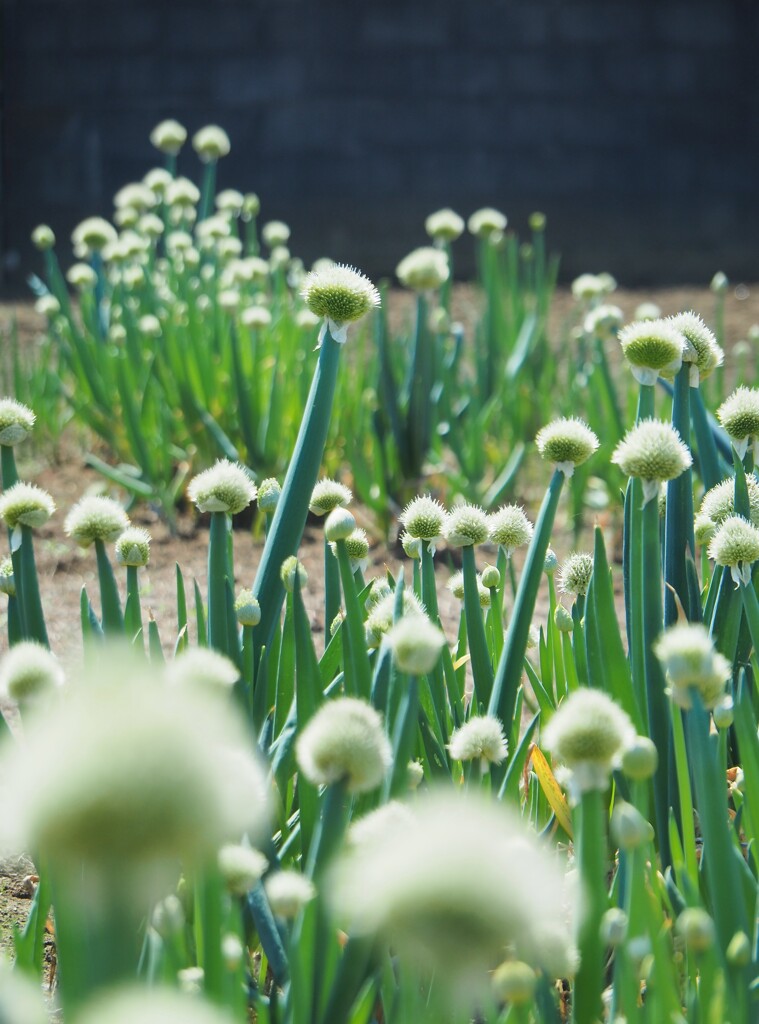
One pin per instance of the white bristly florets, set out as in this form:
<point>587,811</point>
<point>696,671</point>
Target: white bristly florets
<point>736,545</point>
<point>575,573</point>
<point>739,415</point>
<point>29,673</point>
<point>510,528</point>
<point>480,739</point>
<point>703,351</point>
<point>690,661</point>
<point>466,524</point>
<point>92,235</point>
<point>588,734</point>
<point>241,867</point>
<point>247,608</point>
<point>654,452</point>
<point>16,421</point>
<point>424,519</point>
<point>133,547</point>
<point>328,495</point>
<point>344,742</point>
<point>225,487</point>
<point>718,504</point>
<point>95,518</point>
<point>486,222</point>
<point>202,667</point>
<point>25,505</point>
<point>380,617</point>
<point>566,443</point>
<point>339,295</point>
<point>169,136</point>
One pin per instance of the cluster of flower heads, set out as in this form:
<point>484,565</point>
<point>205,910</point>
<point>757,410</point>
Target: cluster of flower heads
<point>426,521</point>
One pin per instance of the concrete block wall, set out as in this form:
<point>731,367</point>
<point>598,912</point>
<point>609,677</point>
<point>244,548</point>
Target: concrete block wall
<point>634,124</point>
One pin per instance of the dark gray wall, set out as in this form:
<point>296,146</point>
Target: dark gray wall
<point>632,124</point>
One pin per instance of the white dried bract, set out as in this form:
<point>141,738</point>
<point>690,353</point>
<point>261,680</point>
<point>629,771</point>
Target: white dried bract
<point>444,225</point>
<point>225,487</point>
<point>241,867</point>
<point>288,892</point>
<point>486,222</point>
<point>407,888</point>
<point>480,739</point>
<point>133,547</point>
<point>29,673</point>
<point>736,545</point>
<point>25,505</point>
<point>339,295</point>
<point>566,442</point>
<point>703,351</point>
<point>690,661</point>
<point>415,643</point>
<point>169,136</point>
<point>151,1005</point>
<point>652,348</point>
<point>640,759</point>
<point>128,773</point>
<point>202,667</point>
<point>345,743</point>
<point>424,519</point>
<point>466,524</point>
<point>654,452</point>
<point>588,735</point>
<point>211,143</point>
<point>739,415</point>
<point>424,269</point>
<point>328,495</point>
<point>575,573</point>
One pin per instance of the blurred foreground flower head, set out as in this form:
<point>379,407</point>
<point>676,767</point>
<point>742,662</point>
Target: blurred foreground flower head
<point>21,1000</point>
<point>151,1006</point>
<point>690,661</point>
<point>436,888</point>
<point>130,773</point>
<point>344,742</point>
<point>423,269</point>
<point>340,295</point>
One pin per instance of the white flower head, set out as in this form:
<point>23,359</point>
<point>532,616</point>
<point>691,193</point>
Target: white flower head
<point>169,136</point>
<point>690,661</point>
<point>566,442</point>
<point>486,222</point>
<point>225,487</point>
<point>703,351</point>
<point>288,892</point>
<point>241,867</point>
<point>736,545</point>
<point>202,667</point>
<point>25,505</point>
<point>211,143</point>
<point>510,528</point>
<point>424,269</point>
<point>654,452</point>
<point>653,348</point>
<point>575,573</point>
<point>339,295</point>
<point>380,617</point>
<point>95,518</point>
<point>154,1005</point>
<point>344,742</point>
<point>466,524</point>
<point>424,519</point>
<point>416,644</point>
<point>444,225</point>
<point>481,738</point>
<point>739,415</point>
<point>29,673</point>
<point>328,495</point>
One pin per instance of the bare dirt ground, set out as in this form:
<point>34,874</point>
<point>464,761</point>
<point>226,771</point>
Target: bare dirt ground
<point>64,569</point>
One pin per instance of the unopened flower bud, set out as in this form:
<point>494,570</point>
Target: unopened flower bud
<point>640,759</point>
<point>247,608</point>
<point>290,568</point>
<point>339,524</point>
<point>696,927</point>
<point>514,982</point>
<point>629,828</point>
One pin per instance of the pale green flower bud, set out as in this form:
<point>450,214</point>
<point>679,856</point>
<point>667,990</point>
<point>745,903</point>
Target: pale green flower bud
<point>654,452</point>
<point>510,528</point>
<point>739,415</point>
<point>225,487</point>
<point>719,283</point>
<point>275,233</point>
<point>696,928</point>
<point>640,759</point>
<point>43,237</point>
<point>491,577</point>
<point>7,580</point>
<point>47,305</point>
<point>340,295</point>
<point>378,591</point>
<point>629,829</point>
<point>690,661</point>
<point>416,644</point>
<point>604,321</point>
<point>423,269</point>
<point>486,222</point>
<point>16,421</point>
<point>288,892</point>
<point>290,567</point>
<point>269,491</point>
<point>168,916</point>
<point>724,712</point>
<point>444,225</point>
<point>328,495</point>
<point>738,951</point>
<point>251,206</point>
<point>241,867</point>
<point>204,668</point>
<point>652,347</point>
<point>133,547</point>
<point>566,443</point>
<point>587,287</point>
<point>614,927</point>
<point>588,734</point>
<point>25,505</point>
<point>466,524</point>
<point>703,351</point>
<point>736,545</point>
<point>29,673</point>
<point>92,235</point>
<point>412,546</point>
<point>149,325</point>
<point>551,563</point>
<point>537,221</point>
<point>169,136</point>
<point>345,743</point>
<point>481,738</point>
<point>563,619</point>
<point>576,573</point>
<point>211,143</point>
<point>247,608</point>
<point>514,982</point>
<point>339,525</point>
<point>456,584</point>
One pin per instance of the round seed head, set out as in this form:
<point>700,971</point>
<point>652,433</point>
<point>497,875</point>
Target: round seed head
<point>444,225</point>
<point>16,421</point>
<point>718,504</point>
<point>575,573</point>
<point>510,528</point>
<point>629,829</point>
<point>43,237</point>
<point>133,547</point>
<point>288,892</point>
<point>291,568</point>
<point>339,293</point>
<point>415,643</point>
<point>169,136</point>
<point>588,734</point>
<point>739,415</point>
<point>275,233</point>
<point>688,657</point>
<point>241,867</point>
<point>269,491</point>
<point>491,577</point>
<point>466,524</point>
<point>7,579</point>
<point>514,982</point>
<point>423,269</point>
<point>696,928</point>
<point>736,545</point>
<point>566,443</point>
<point>344,742</point>
<point>640,759</point>
<point>380,617</point>
<point>486,222</point>
<point>339,524</point>
<point>153,1006</point>
<point>29,673</point>
<point>653,451</point>
<point>211,143</point>
<point>703,349</point>
<point>652,347</point>
<point>25,505</point>
<point>481,738</point>
<point>424,518</point>
<point>92,235</point>
<point>247,608</point>
<point>328,495</point>
<point>225,487</point>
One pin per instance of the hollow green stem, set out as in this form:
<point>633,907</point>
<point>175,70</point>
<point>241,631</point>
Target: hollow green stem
<point>110,602</point>
<point>218,568</point>
<point>678,523</point>
<point>475,627</point>
<point>589,820</point>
